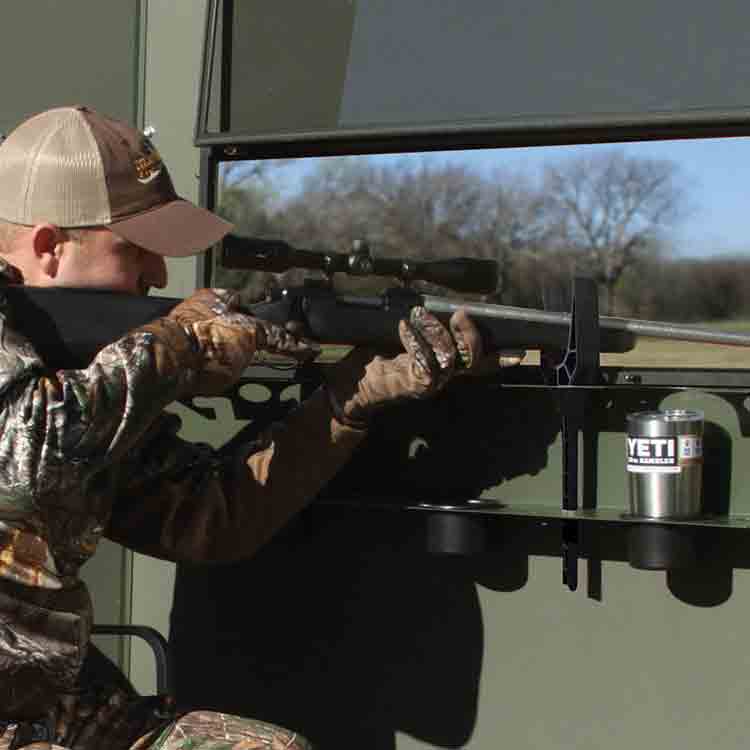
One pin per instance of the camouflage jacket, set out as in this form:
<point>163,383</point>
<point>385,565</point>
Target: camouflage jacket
<point>87,453</point>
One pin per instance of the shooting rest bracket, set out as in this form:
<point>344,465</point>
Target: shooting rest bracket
<point>579,366</point>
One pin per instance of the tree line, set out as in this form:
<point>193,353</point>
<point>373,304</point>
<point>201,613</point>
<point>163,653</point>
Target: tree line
<point>608,215</point>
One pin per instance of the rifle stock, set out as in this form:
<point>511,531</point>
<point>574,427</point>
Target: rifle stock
<point>69,326</point>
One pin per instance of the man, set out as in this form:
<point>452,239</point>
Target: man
<point>86,201</point>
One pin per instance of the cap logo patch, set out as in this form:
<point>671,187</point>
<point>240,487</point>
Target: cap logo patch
<point>148,164</point>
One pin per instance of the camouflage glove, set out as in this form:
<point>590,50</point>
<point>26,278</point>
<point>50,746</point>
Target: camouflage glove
<point>227,339</point>
<point>360,385</point>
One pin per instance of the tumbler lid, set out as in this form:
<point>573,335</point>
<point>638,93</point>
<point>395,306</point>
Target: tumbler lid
<point>669,415</point>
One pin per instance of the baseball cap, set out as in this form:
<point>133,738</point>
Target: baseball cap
<point>74,167</point>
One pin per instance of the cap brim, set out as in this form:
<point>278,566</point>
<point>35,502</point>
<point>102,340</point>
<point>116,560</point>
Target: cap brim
<point>175,229</point>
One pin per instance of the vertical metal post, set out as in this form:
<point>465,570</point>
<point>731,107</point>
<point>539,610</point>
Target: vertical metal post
<point>207,186</point>
<point>580,366</point>
<point>227,50</point>
<point>211,157</point>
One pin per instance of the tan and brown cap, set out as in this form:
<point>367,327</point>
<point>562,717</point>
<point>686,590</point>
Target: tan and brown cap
<point>73,167</point>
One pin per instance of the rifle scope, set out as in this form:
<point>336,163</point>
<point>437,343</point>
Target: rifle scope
<point>474,275</point>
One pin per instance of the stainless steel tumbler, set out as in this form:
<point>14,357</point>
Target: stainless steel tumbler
<point>665,463</point>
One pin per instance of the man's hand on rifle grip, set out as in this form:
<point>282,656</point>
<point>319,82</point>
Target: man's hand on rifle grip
<point>227,338</point>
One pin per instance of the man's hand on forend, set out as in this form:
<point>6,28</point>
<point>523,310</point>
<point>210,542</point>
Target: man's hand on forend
<point>361,384</point>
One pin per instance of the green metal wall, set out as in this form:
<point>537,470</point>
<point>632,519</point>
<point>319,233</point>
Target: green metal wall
<point>56,53</point>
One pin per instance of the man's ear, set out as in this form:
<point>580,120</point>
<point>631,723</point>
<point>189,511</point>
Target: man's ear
<point>47,243</point>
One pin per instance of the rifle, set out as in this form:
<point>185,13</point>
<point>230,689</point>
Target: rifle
<point>69,326</point>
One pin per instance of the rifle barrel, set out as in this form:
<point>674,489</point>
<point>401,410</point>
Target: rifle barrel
<point>647,328</point>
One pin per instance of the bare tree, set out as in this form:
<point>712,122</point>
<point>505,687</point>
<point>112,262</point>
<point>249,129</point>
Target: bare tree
<point>245,194</point>
<point>417,210</point>
<point>247,197</point>
<point>513,220</point>
<point>612,207</point>
<point>329,212</point>
<point>401,208</point>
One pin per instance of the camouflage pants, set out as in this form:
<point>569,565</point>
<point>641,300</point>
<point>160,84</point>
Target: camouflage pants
<point>207,730</point>
<point>198,730</point>
<point>106,713</point>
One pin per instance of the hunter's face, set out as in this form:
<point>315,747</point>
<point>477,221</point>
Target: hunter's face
<point>105,261</point>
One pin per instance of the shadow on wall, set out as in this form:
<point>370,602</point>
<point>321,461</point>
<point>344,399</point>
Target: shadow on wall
<point>343,627</point>
<point>354,623</point>
<point>343,643</point>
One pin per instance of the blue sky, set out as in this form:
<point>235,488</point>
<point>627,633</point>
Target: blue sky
<point>713,170</point>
